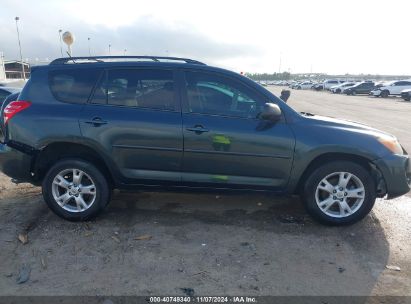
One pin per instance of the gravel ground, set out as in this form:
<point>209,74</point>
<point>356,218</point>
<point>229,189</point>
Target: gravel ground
<point>161,243</point>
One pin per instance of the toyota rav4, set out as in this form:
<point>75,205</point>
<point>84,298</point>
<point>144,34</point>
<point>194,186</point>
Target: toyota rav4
<point>84,126</point>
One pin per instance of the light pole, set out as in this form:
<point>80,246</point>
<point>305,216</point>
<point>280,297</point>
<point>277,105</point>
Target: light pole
<point>109,49</point>
<point>61,45</point>
<point>125,51</point>
<point>21,56</point>
<point>89,51</point>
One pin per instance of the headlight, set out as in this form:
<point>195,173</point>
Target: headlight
<point>391,144</point>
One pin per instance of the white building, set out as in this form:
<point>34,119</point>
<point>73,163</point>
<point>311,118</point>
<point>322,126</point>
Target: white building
<point>2,68</point>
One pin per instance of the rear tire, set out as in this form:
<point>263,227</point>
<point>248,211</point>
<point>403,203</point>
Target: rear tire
<point>75,190</point>
<point>334,203</point>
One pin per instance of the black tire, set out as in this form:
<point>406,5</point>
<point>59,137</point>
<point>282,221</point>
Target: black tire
<point>407,98</point>
<point>102,190</point>
<point>353,93</point>
<point>384,94</point>
<point>338,91</point>
<point>318,174</point>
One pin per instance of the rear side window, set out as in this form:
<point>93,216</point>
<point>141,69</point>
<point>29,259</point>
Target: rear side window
<point>72,85</point>
<point>141,88</point>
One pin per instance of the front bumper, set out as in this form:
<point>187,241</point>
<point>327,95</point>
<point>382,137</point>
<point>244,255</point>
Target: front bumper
<point>15,164</point>
<point>406,95</point>
<point>396,170</point>
<point>375,93</point>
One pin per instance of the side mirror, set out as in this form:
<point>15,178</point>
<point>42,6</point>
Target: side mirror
<point>271,112</point>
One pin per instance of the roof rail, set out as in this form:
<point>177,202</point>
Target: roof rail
<point>102,58</point>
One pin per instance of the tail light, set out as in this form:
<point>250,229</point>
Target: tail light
<point>13,108</point>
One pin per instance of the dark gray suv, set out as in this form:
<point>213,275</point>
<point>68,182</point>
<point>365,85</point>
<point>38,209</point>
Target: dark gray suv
<point>84,126</point>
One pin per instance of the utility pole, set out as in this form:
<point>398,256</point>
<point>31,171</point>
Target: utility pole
<point>279,66</point>
<point>89,51</point>
<point>109,49</point>
<point>61,44</point>
<point>21,56</point>
<point>125,51</point>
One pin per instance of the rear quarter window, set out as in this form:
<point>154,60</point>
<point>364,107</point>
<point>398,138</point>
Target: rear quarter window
<point>72,85</point>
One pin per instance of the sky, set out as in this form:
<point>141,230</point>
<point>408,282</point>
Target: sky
<point>254,36</point>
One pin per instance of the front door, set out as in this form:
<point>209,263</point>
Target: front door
<point>134,117</point>
<point>225,144</point>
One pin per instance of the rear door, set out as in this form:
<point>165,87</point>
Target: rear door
<point>134,116</point>
<point>225,145</point>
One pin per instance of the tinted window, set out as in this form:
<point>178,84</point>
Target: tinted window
<point>212,94</point>
<point>137,88</point>
<point>72,85</point>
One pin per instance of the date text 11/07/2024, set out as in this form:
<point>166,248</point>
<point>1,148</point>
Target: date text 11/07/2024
<point>203,299</point>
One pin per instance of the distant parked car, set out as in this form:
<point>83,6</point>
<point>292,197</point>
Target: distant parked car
<point>330,83</point>
<point>6,91</point>
<point>4,103</point>
<point>392,88</point>
<point>304,85</point>
<point>318,86</point>
<point>337,89</point>
<point>360,88</point>
<point>406,95</point>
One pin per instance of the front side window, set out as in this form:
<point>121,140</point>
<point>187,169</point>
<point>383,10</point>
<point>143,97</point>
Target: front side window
<point>72,85</point>
<point>211,94</point>
<point>137,88</point>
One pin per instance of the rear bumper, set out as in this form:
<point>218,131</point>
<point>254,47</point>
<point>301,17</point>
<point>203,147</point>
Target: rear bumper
<point>396,170</point>
<point>15,164</point>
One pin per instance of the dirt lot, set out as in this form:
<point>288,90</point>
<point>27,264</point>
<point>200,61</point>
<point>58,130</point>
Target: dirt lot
<point>161,243</point>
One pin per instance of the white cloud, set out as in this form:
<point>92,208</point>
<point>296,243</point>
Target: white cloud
<point>325,36</point>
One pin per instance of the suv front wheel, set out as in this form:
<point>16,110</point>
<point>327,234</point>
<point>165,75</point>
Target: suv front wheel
<point>75,190</point>
<point>339,193</point>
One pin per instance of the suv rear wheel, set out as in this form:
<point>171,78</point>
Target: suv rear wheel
<point>75,190</point>
<point>339,193</point>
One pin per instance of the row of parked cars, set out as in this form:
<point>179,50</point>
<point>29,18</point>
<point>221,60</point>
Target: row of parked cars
<point>378,89</point>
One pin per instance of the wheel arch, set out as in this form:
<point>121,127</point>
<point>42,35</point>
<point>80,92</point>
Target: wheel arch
<point>329,157</point>
<point>53,152</point>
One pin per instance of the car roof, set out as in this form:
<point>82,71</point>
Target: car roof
<point>125,62</point>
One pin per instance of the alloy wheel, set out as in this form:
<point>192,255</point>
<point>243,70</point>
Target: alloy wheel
<point>340,194</point>
<point>74,190</point>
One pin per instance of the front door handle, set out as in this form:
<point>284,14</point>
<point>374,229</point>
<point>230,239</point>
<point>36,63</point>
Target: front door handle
<point>96,122</point>
<point>198,129</point>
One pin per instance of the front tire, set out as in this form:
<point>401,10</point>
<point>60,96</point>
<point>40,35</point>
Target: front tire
<point>385,94</point>
<point>339,193</point>
<point>75,190</point>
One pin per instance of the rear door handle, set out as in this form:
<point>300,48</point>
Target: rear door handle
<point>96,121</point>
<point>198,129</point>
